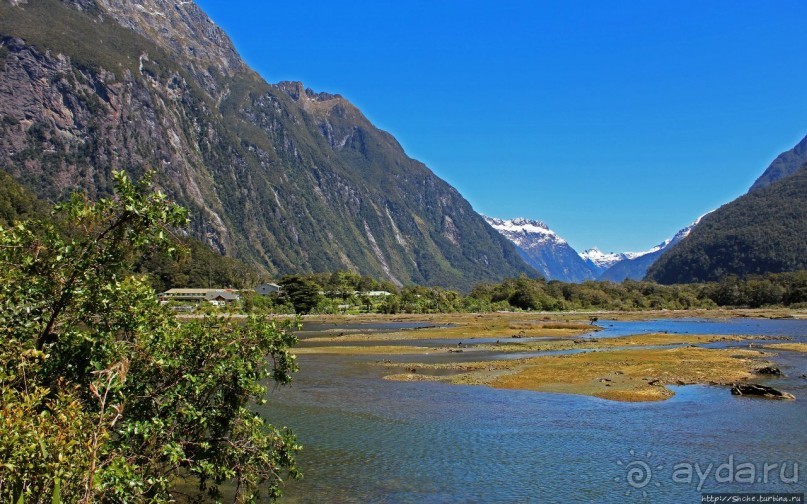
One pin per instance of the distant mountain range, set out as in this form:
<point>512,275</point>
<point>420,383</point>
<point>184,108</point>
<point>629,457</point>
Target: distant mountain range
<point>543,249</point>
<point>278,175</point>
<point>555,259</point>
<point>635,268</point>
<point>600,262</point>
<point>764,231</point>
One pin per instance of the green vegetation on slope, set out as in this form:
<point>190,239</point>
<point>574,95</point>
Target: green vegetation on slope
<point>194,264</point>
<point>764,231</point>
<point>197,266</point>
<point>785,165</point>
<point>17,202</point>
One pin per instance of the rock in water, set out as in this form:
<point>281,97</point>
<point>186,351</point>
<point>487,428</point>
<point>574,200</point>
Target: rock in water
<point>753,389</point>
<point>770,370</point>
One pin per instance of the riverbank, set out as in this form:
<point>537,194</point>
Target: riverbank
<point>574,316</point>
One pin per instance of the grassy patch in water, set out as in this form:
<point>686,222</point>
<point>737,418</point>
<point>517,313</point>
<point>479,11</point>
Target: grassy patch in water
<point>366,350</point>
<point>460,327</point>
<point>605,369</point>
<point>793,347</point>
<point>632,375</point>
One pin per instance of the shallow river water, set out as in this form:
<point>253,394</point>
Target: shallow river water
<point>371,440</point>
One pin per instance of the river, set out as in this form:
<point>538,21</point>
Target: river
<point>370,440</point>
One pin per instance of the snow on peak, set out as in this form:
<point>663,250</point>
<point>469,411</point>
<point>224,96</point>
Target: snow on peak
<point>603,259</point>
<point>520,229</point>
<point>680,235</point>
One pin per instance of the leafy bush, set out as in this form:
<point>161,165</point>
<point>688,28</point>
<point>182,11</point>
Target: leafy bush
<point>105,396</point>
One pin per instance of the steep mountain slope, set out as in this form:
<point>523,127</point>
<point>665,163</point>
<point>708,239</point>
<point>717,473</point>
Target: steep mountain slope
<point>764,231</point>
<point>278,175</point>
<point>543,249</point>
<point>783,166</point>
<point>635,268</point>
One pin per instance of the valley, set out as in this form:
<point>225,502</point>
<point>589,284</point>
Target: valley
<point>220,284</point>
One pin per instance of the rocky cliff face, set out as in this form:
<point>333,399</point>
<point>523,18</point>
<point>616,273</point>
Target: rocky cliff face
<point>290,179</point>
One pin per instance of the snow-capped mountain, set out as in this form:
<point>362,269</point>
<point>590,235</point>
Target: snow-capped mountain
<point>543,249</point>
<point>635,268</point>
<point>553,257</point>
<point>601,261</point>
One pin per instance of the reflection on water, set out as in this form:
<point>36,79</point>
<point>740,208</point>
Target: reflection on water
<point>370,440</point>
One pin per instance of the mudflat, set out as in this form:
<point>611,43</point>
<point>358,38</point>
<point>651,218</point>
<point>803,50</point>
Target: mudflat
<point>571,359</point>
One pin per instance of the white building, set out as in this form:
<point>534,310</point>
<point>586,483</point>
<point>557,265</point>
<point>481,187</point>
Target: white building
<point>267,288</point>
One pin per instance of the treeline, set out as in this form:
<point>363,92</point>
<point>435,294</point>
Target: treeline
<point>344,292</point>
<point>18,203</point>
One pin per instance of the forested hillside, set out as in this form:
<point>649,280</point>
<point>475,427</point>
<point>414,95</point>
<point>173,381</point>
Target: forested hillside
<point>764,231</point>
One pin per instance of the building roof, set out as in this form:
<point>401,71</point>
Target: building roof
<point>226,294</point>
<point>201,292</point>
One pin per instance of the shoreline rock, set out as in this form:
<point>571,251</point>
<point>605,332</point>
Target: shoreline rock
<point>756,390</point>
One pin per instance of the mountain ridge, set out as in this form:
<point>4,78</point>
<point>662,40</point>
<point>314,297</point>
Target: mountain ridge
<point>785,165</point>
<point>286,178</point>
<point>635,268</point>
<point>552,256</point>
<point>543,249</point>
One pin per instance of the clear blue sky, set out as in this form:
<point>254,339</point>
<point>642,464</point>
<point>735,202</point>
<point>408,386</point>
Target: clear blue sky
<point>615,122</point>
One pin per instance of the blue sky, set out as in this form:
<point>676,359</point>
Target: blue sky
<point>617,123</point>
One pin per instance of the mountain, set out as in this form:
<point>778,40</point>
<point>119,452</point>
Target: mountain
<point>543,249</point>
<point>554,258</point>
<point>764,231</point>
<point>599,261</point>
<point>783,166</point>
<point>635,268</point>
<point>275,174</point>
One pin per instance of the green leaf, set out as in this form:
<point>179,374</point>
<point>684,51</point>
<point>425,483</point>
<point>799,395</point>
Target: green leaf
<point>57,492</point>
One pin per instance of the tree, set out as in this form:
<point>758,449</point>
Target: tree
<point>303,293</point>
<point>104,395</point>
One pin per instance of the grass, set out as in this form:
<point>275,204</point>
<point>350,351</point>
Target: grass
<point>793,347</point>
<point>366,350</point>
<point>661,339</point>
<point>632,375</point>
<point>458,326</point>
<point>639,374</point>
